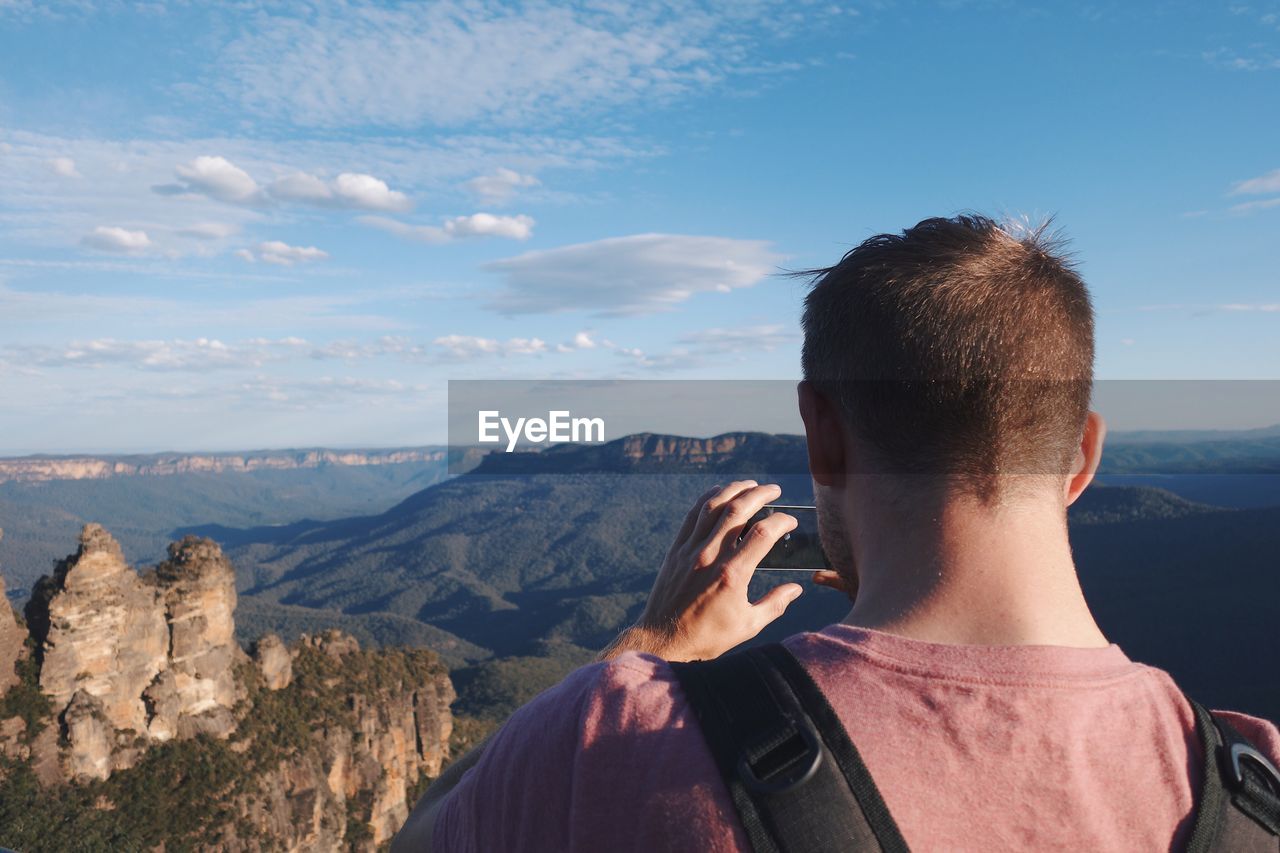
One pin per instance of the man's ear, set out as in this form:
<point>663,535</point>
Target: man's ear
<point>1088,456</point>
<point>825,435</point>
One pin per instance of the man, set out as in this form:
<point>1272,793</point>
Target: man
<point>947,381</point>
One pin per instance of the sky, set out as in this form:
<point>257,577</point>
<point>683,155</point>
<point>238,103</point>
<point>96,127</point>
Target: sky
<point>247,225</point>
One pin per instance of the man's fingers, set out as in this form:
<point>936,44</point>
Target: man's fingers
<point>835,580</point>
<point>691,517</point>
<point>738,512</point>
<point>756,543</point>
<point>710,512</point>
<point>774,603</point>
<point>830,579</point>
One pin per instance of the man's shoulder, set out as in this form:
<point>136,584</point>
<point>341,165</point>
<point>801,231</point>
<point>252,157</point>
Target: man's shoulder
<point>632,691</point>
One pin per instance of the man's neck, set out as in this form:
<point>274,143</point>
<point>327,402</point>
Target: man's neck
<point>968,574</point>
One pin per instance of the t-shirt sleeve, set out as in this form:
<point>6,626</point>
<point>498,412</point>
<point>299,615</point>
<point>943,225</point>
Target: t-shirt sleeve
<point>517,796</point>
<point>611,758</point>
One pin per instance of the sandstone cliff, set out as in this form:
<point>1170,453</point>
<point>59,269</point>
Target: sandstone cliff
<point>131,699</point>
<point>32,469</point>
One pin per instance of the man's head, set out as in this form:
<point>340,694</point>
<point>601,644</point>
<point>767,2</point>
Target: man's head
<point>949,365</point>
<point>958,349</point>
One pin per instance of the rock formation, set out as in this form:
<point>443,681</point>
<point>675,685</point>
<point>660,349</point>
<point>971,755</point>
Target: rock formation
<point>273,660</point>
<point>325,742</point>
<point>393,730</point>
<point>101,629</point>
<point>12,638</point>
<point>199,687</point>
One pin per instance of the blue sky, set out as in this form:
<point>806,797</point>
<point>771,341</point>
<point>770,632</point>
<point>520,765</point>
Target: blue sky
<point>279,224</point>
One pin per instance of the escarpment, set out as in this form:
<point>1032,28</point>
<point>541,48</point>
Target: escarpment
<point>125,694</point>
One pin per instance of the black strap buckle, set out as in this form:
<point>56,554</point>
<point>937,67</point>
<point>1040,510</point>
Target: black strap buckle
<point>783,759</point>
<point>1239,751</point>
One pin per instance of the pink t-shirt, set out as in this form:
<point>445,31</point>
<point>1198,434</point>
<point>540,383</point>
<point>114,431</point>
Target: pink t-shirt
<point>974,748</point>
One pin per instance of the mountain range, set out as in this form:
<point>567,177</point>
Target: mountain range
<point>538,559</point>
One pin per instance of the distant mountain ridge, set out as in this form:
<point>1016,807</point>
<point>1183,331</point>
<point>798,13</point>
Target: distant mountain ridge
<point>41,468</point>
<point>45,500</point>
<point>649,452</point>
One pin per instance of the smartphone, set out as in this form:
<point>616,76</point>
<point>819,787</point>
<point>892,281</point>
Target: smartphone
<point>798,551</point>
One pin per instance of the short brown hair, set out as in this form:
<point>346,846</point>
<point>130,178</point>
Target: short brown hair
<point>959,347</point>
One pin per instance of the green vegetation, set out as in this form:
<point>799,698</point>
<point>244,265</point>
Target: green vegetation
<point>25,699</point>
<point>490,691</point>
<point>177,795</point>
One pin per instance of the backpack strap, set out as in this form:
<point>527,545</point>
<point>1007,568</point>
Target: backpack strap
<point>1240,804</point>
<point>796,780</point>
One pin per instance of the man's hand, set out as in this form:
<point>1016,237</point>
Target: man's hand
<point>698,608</point>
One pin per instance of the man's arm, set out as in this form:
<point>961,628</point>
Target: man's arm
<point>698,609</point>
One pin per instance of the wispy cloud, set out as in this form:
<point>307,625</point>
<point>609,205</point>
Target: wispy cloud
<point>1268,183</point>
<point>450,63</point>
<point>501,186</point>
<point>518,227</point>
<point>64,167</point>
<point>204,354</point>
<point>746,339</point>
<point>209,230</point>
<point>1253,206</point>
<point>639,274</point>
<point>466,347</point>
<point>282,254</point>
<point>1265,307</point>
<point>111,238</point>
<point>177,354</point>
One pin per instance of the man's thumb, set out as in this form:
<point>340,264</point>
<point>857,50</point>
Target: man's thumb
<point>774,603</point>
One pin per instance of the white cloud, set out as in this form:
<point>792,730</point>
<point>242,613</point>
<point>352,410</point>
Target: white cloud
<point>500,187</point>
<point>209,230</point>
<point>45,212</point>
<point>220,179</point>
<point>464,347</point>
<point>454,62</point>
<point>518,227</point>
<point>1268,183</point>
<point>110,238</point>
<point>348,190</point>
<point>64,167</point>
<point>583,341</point>
<point>639,274</point>
<point>216,177</point>
<point>281,253</point>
